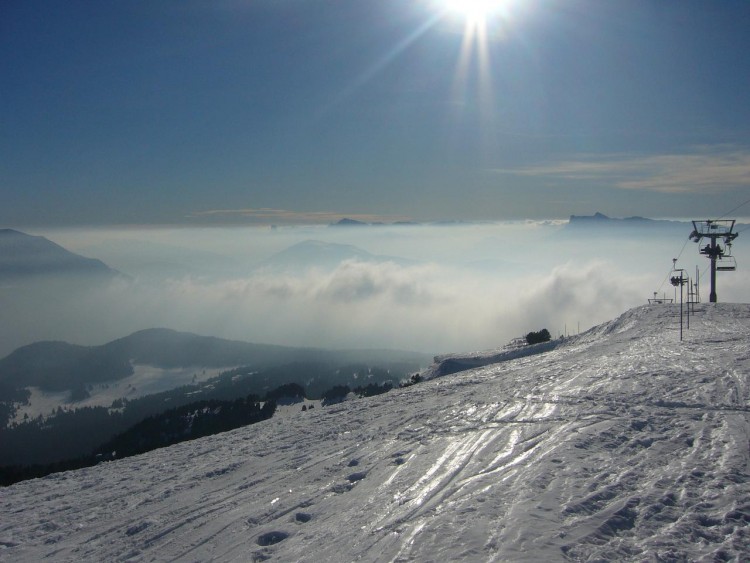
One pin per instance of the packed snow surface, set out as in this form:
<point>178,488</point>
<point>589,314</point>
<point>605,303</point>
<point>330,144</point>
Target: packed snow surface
<point>622,444</point>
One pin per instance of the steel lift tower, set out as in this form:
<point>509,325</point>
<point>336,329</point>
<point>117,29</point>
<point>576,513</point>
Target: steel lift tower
<point>720,256</point>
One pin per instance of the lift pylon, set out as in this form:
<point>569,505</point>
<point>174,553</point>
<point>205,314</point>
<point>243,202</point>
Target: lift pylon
<point>720,253</point>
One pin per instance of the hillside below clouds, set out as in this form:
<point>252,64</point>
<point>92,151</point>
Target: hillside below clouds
<point>56,366</point>
<point>621,444</point>
<point>152,355</point>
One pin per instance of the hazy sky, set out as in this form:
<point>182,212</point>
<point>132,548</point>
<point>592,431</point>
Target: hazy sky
<point>284,111</point>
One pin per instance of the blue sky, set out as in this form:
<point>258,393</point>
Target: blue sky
<point>295,111</point>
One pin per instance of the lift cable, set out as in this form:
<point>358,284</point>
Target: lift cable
<point>666,278</point>
<point>669,273</point>
<point>733,210</point>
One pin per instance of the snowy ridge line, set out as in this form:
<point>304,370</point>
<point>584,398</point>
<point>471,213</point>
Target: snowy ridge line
<point>454,363</point>
<point>622,445</point>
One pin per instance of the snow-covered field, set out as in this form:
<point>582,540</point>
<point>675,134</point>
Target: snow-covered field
<point>620,444</point>
<point>146,380</point>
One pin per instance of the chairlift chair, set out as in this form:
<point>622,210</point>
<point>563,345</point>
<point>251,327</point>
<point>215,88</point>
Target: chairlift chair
<point>726,263</point>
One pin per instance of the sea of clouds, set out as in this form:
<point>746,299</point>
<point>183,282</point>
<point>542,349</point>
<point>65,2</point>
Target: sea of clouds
<point>431,288</point>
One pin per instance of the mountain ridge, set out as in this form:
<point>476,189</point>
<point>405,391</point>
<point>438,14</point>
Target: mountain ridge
<point>57,365</point>
<point>599,219</point>
<point>23,255</point>
<point>317,254</point>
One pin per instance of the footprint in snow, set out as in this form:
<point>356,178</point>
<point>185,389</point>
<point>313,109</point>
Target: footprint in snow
<point>302,517</point>
<point>358,476</point>
<point>352,480</point>
<point>271,538</point>
<point>339,488</point>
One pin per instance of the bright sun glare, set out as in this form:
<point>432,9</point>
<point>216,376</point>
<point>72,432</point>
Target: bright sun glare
<point>484,22</point>
<point>476,11</point>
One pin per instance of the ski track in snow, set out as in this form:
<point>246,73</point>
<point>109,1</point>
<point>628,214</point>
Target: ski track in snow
<point>621,444</point>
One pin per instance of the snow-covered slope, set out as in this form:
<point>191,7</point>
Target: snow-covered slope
<point>620,444</point>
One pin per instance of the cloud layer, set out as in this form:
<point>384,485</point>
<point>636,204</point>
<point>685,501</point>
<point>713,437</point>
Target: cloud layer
<point>476,287</point>
<point>712,169</point>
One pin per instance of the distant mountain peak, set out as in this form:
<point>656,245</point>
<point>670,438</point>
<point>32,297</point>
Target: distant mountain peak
<point>318,254</point>
<point>23,255</point>
<point>346,222</point>
<point>601,217</point>
<point>11,232</point>
<point>595,217</point>
<point>601,220</point>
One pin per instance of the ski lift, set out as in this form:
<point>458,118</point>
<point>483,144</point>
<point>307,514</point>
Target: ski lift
<point>726,262</point>
<point>712,251</point>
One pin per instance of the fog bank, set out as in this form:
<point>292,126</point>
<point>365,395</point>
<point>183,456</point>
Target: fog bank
<point>433,289</point>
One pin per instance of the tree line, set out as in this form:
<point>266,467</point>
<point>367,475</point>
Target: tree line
<point>78,437</point>
<point>196,420</point>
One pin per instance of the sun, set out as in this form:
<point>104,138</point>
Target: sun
<point>475,11</point>
<point>485,22</point>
